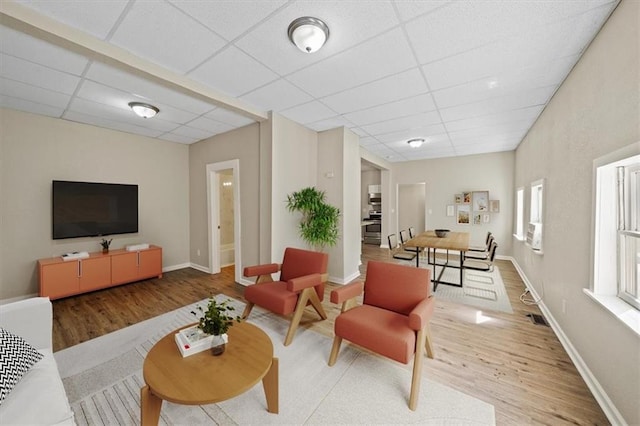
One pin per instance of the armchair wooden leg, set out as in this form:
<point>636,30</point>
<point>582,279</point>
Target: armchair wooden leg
<point>317,305</point>
<point>297,315</point>
<point>247,310</point>
<point>428,345</point>
<point>417,371</point>
<point>335,349</point>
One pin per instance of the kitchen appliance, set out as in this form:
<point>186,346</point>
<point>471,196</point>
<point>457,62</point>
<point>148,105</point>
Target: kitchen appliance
<point>375,199</point>
<point>373,230</point>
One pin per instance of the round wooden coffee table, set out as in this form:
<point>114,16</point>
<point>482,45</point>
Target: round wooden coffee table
<point>205,379</point>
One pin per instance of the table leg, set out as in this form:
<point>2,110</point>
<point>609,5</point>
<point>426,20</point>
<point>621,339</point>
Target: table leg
<point>150,406</point>
<point>270,386</point>
<point>461,267</point>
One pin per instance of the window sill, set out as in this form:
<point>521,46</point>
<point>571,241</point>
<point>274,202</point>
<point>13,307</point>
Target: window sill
<point>518,237</point>
<point>628,315</point>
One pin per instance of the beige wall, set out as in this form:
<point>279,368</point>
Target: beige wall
<point>242,144</point>
<point>36,150</point>
<point>411,202</point>
<point>595,111</point>
<point>446,177</point>
<point>226,207</point>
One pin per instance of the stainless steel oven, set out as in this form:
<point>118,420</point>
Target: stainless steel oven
<point>373,230</point>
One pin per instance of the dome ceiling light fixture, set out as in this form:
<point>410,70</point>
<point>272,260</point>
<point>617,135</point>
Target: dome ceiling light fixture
<point>308,34</point>
<point>143,110</point>
<point>415,143</point>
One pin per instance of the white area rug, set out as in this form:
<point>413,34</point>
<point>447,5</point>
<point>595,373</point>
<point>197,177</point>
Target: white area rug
<point>103,378</point>
<point>481,289</point>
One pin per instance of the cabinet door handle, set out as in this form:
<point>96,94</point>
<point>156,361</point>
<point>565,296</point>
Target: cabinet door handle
<point>138,260</point>
<point>79,268</point>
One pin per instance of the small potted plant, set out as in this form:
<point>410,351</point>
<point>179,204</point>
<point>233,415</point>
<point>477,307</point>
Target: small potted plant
<point>105,245</point>
<point>215,321</point>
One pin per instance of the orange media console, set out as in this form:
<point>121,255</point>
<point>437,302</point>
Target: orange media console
<point>60,278</point>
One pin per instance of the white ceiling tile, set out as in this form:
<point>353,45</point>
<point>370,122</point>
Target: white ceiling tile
<point>396,109</point>
<point>212,126</point>
<point>349,22</point>
<point>26,47</point>
<point>328,124</point>
<point>463,137</point>
<point>96,17</point>
<point>358,131</point>
<point>382,151</point>
<point>29,106</point>
<point>233,72</point>
<point>34,94</point>
<point>411,9</point>
<point>409,122</point>
<point>503,139</point>
<point>153,30</point>
<point>229,18</point>
<point>145,89</point>
<point>23,71</point>
<point>418,132</point>
<point>528,114</point>
<point>191,132</point>
<point>109,124</point>
<point>368,140</point>
<point>231,118</point>
<point>521,99</point>
<point>379,57</point>
<point>277,96</point>
<point>484,148</point>
<point>383,91</point>
<point>309,112</point>
<point>172,137</point>
<point>546,74</point>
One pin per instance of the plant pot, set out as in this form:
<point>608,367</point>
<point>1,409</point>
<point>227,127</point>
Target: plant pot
<point>218,344</point>
<point>105,250</point>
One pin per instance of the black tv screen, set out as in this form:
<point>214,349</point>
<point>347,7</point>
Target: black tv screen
<point>87,209</point>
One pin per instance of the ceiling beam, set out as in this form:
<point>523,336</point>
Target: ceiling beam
<point>33,23</point>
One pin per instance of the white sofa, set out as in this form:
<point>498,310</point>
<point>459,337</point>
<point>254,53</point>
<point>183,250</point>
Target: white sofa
<point>39,397</point>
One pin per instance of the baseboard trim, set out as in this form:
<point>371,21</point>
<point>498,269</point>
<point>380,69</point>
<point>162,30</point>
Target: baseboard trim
<point>608,407</point>
<point>342,281</point>
<point>198,267</point>
<point>175,267</point>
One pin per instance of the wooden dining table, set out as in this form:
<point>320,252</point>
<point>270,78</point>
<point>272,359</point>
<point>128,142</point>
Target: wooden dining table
<point>456,241</point>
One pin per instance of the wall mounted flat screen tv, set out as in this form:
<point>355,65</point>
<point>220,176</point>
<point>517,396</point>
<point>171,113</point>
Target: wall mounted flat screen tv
<point>87,209</point>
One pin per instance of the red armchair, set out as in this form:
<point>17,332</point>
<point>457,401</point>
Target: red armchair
<point>393,320</point>
<point>303,274</point>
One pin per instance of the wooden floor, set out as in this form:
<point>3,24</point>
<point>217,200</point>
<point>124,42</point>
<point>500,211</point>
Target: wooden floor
<point>503,359</point>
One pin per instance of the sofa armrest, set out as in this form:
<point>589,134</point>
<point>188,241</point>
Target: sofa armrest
<point>31,319</point>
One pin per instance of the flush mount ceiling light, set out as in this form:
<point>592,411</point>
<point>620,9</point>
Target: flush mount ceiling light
<point>143,110</point>
<point>308,34</point>
<point>415,143</point>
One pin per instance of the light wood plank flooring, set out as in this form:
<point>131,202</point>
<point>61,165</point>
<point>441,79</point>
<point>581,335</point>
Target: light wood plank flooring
<point>520,368</point>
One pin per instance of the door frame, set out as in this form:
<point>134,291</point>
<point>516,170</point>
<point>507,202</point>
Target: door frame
<point>213,215</point>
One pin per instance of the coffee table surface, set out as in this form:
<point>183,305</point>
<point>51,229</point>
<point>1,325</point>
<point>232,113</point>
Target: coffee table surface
<point>203,378</point>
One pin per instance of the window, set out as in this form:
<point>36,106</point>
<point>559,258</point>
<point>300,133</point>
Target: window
<point>628,233</point>
<point>616,235</point>
<point>519,214</point>
<point>534,229</point>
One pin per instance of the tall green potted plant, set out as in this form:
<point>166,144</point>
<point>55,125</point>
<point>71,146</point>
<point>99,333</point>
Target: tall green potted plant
<point>319,223</point>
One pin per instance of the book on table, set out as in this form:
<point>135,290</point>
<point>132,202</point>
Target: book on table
<point>192,340</point>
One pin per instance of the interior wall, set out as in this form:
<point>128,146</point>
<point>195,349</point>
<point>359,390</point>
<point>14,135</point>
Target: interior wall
<point>242,144</point>
<point>411,206</point>
<point>36,150</point>
<point>593,113</point>
<point>445,177</point>
<point>294,166</point>
<point>226,207</point>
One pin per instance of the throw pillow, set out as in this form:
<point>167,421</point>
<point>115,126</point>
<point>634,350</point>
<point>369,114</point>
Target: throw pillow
<point>16,358</point>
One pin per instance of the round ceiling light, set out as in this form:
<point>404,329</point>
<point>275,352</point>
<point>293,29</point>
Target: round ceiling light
<point>308,34</point>
<point>415,143</point>
<point>143,110</point>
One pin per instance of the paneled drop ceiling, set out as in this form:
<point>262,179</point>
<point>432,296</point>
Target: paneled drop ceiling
<point>468,76</point>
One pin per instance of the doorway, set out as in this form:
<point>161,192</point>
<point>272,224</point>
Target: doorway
<point>412,206</point>
<point>223,212</point>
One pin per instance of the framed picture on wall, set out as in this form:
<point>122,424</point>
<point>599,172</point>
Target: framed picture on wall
<point>450,210</point>
<point>466,197</point>
<point>477,218</point>
<point>458,198</point>
<point>480,201</point>
<point>463,214</point>
<point>494,206</point>
<point>486,218</point>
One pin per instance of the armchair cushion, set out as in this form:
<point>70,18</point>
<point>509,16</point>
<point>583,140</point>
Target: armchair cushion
<point>298,262</point>
<point>272,296</point>
<point>254,271</point>
<point>390,337</point>
<point>347,292</point>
